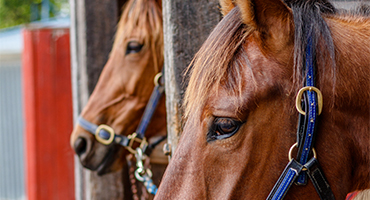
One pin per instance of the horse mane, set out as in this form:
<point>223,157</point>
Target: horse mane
<point>144,17</point>
<point>310,20</point>
<point>360,10</point>
<point>310,25</point>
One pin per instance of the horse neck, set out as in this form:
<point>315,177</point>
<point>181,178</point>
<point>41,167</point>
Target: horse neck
<point>349,92</point>
<point>351,84</point>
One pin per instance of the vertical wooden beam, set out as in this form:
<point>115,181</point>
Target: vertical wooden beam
<point>186,26</point>
<point>93,24</point>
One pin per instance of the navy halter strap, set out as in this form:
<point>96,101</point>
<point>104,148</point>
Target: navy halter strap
<point>150,108</point>
<point>309,98</point>
<point>103,132</point>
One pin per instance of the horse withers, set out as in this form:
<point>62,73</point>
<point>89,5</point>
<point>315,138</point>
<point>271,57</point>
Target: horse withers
<point>124,88</point>
<point>241,117</point>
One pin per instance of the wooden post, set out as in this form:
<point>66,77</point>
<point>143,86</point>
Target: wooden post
<point>187,24</point>
<point>93,24</point>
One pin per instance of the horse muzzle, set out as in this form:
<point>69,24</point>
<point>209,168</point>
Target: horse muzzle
<point>92,154</point>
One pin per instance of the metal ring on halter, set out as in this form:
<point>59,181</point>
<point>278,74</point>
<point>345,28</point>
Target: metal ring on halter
<point>295,145</point>
<point>156,78</point>
<point>133,138</point>
<point>299,98</point>
<point>109,130</point>
<point>139,171</point>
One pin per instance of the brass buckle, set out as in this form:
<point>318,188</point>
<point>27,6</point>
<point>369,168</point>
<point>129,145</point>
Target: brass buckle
<point>109,130</point>
<point>133,138</point>
<point>299,98</point>
<point>156,78</point>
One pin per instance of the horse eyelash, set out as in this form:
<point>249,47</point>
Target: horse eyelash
<point>211,134</point>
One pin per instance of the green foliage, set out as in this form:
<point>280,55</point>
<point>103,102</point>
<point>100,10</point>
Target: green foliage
<point>16,12</point>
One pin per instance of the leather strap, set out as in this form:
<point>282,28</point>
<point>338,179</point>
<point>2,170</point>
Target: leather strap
<point>311,111</point>
<point>306,133</point>
<point>149,110</point>
<point>91,128</point>
<point>301,135</point>
<point>292,171</point>
<point>319,180</point>
<point>285,181</point>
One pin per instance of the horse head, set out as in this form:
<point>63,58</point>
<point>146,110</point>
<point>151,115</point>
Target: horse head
<point>124,87</point>
<point>240,111</point>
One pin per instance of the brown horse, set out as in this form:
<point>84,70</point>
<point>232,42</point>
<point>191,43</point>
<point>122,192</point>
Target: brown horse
<point>124,87</point>
<point>240,103</point>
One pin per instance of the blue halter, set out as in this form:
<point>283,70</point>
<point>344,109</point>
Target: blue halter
<point>297,171</point>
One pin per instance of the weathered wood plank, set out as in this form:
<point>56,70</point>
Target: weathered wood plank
<point>186,26</point>
<point>93,24</point>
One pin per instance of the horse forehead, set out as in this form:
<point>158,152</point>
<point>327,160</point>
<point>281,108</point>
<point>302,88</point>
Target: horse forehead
<point>259,73</point>
<point>261,60</point>
<point>223,104</point>
<point>265,70</point>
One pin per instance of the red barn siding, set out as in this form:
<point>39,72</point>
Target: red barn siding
<point>48,114</point>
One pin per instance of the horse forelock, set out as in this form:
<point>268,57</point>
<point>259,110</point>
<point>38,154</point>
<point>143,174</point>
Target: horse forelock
<point>144,17</point>
<point>216,62</point>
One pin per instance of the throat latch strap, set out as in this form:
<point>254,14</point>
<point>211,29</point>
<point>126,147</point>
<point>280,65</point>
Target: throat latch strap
<point>151,106</point>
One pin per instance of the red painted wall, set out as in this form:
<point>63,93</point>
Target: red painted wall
<point>48,114</point>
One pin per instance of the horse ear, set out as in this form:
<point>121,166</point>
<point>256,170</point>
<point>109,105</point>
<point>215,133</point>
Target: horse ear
<point>226,6</point>
<point>272,18</point>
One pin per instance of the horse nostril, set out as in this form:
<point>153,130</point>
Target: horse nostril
<point>80,146</point>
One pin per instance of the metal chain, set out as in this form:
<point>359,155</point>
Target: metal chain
<point>144,174</point>
<point>139,191</point>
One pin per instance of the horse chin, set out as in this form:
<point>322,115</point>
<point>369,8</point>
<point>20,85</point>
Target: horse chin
<point>111,161</point>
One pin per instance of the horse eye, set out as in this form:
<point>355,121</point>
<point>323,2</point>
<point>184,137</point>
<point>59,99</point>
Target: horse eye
<point>223,128</point>
<point>133,47</point>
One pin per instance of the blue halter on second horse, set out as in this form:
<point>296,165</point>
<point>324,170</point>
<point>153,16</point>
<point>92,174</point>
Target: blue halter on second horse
<point>106,135</point>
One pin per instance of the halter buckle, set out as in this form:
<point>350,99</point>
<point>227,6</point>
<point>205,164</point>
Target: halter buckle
<point>299,98</point>
<point>133,138</point>
<point>109,130</point>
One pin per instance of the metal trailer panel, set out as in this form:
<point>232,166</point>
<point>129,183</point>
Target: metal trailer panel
<point>12,181</point>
